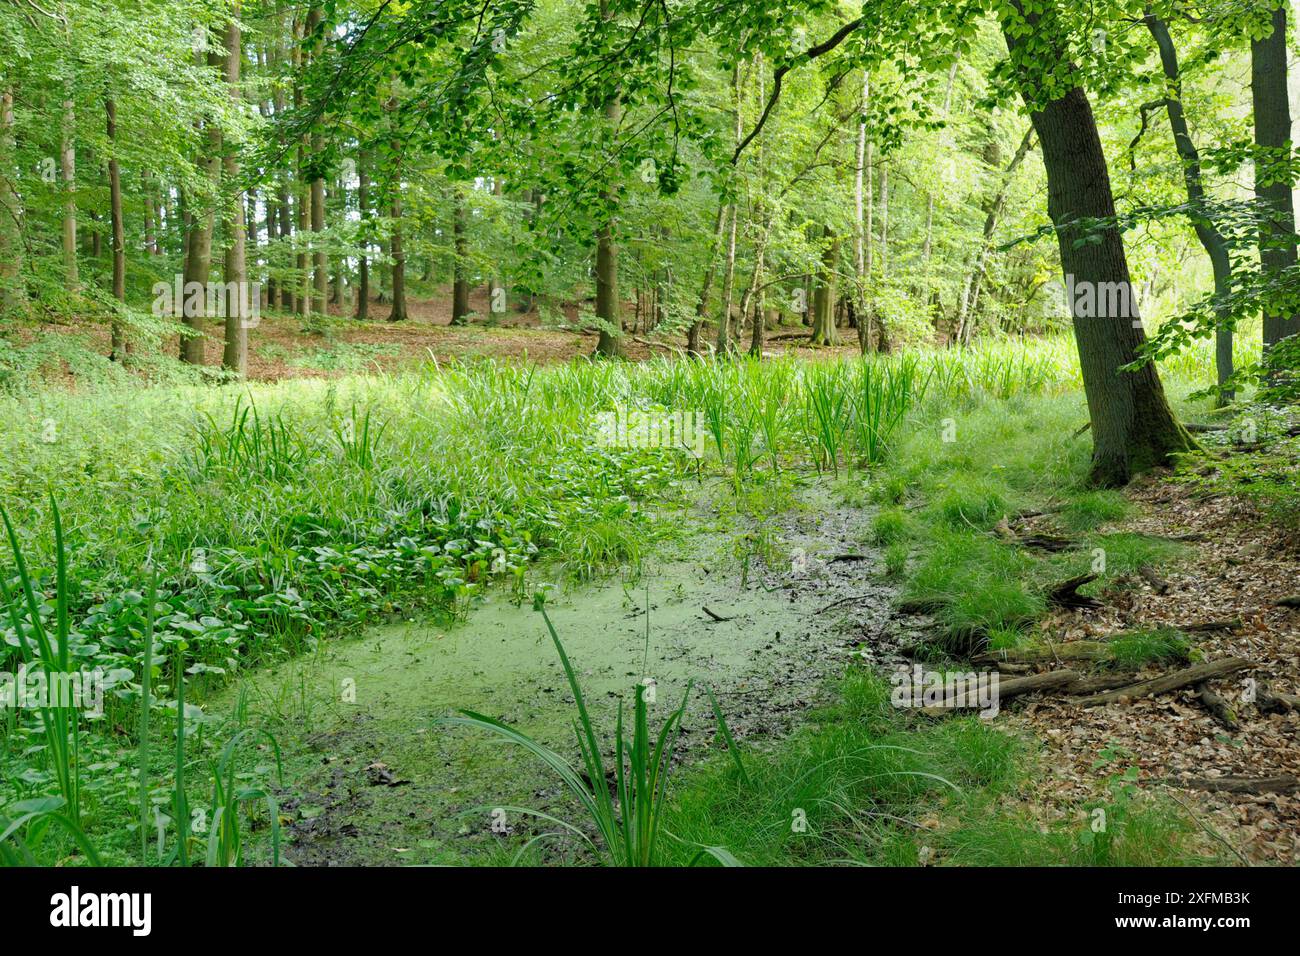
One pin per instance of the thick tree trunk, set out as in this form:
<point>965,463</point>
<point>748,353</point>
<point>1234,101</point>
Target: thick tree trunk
<point>198,261</point>
<point>1206,231</point>
<point>1272,110</point>
<point>1132,426</point>
<point>398,313</point>
<point>825,297</point>
<point>460,249</point>
<point>237,299</point>
<point>118,346</point>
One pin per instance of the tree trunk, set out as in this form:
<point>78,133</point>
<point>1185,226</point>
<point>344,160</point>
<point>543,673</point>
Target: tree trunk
<point>1272,110</point>
<point>970,290</point>
<point>152,215</point>
<point>237,299</point>
<point>68,162</point>
<point>825,296</point>
<point>363,260</point>
<point>118,346</point>
<point>1132,426</point>
<point>702,308</point>
<point>398,313</point>
<point>198,262</point>
<point>1206,231</point>
<point>460,278</point>
<point>607,305</point>
<point>724,344</point>
<point>861,250</point>
<point>12,295</point>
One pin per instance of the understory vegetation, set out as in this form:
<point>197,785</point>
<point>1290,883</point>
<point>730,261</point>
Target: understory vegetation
<point>206,532</point>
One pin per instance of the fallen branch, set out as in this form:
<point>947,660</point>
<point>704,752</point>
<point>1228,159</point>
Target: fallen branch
<point>1048,680</point>
<point>845,600</point>
<point>1158,584</point>
<point>1187,677</point>
<point>718,617</point>
<point>1218,707</point>
<point>1266,700</point>
<point>659,345</point>
<point>1066,594</point>
<point>1073,651</point>
<point>1095,685</point>
<point>1292,601</point>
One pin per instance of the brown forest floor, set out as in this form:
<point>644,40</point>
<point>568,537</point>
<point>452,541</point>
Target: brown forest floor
<point>1239,567</point>
<point>280,347</point>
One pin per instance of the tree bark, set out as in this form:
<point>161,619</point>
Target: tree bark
<point>702,308</point>
<point>68,163</point>
<point>1132,426</point>
<point>363,260</point>
<point>1272,111</point>
<point>460,278</point>
<point>825,296</point>
<point>12,295</point>
<point>861,234</point>
<point>198,261</point>
<point>607,305</point>
<point>237,299</point>
<point>118,346</point>
<point>724,344</point>
<point>398,313</point>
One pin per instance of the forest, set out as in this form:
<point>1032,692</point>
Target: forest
<point>536,433</point>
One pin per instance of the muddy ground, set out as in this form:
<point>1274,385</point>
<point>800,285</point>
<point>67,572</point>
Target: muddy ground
<point>378,781</point>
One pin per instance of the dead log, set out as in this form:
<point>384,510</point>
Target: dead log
<point>1218,707</point>
<point>1187,677</point>
<point>1266,700</point>
<point>1292,601</point>
<point>1195,427</point>
<point>1048,680</point>
<point>1066,594</point>
<point>1283,783</point>
<point>1046,542</point>
<point>1072,651</point>
<point>1095,685</point>
<point>1158,584</point>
